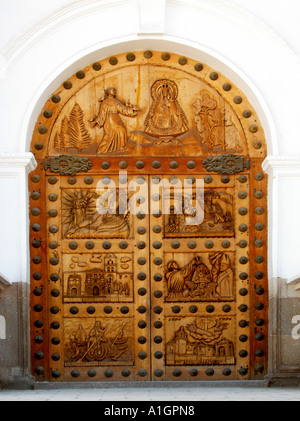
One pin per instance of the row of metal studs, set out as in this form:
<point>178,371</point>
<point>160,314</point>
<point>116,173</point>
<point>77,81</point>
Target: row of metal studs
<point>143,372</point>
<point>242,262</point>
<point>259,291</point>
<point>38,283</point>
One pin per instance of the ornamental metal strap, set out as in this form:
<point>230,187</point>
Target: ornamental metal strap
<point>67,164</point>
<point>226,164</point>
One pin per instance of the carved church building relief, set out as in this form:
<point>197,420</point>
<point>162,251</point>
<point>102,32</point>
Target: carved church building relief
<point>123,290</point>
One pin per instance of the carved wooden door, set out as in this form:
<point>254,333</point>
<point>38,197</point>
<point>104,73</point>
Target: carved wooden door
<point>103,265</point>
<point>148,226</point>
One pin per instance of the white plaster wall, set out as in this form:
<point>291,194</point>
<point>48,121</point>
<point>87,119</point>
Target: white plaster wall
<point>256,44</point>
<point>14,225</point>
<point>288,266</point>
<point>20,16</point>
<point>281,16</point>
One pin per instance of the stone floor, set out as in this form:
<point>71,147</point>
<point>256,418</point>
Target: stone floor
<point>163,394</point>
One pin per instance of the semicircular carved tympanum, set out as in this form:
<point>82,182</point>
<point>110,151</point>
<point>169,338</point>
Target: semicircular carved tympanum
<point>155,294</point>
<point>148,106</point>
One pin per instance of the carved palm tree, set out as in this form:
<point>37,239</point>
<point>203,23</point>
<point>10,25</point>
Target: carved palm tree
<point>79,137</point>
<point>61,139</point>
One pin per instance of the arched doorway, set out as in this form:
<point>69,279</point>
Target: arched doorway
<point>123,149</point>
<point>96,290</point>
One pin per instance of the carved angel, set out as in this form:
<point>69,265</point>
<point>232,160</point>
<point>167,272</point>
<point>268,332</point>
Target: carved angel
<point>206,330</point>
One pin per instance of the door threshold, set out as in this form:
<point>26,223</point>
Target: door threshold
<point>150,385</point>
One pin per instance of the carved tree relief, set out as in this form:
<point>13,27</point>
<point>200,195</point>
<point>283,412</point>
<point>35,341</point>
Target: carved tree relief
<point>73,133</point>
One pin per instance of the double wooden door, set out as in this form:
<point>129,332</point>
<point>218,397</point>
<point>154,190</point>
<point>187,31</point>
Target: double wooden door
<point>134,275</point>
<point>138,287</point>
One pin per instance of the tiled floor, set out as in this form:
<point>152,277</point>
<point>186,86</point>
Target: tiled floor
<point>168,394</point>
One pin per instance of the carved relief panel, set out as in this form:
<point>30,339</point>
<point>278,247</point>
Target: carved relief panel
<point>156,115</point>
<point>200,341</point>
<point>148,226</point>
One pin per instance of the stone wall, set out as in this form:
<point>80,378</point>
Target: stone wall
<point>284,334</point>
<point>14,336</point>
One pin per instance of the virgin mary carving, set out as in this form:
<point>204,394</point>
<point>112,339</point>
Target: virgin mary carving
<point>166,119</point>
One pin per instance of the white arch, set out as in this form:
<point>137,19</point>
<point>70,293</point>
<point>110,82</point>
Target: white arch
<point>224,36</point>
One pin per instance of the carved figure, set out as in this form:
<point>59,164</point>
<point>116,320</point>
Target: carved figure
<point>196,281</point>
<point>217,212</point>
<point>78,341</point>
<point>213,209</point>
<point>165,119</point>
<point>232,134</point>
<point>99,225</point>
<point>85,222</point>
<point>80,208</point>
<point>114,131</point>
<point>98,345</point>
<point>222,273</point>
<point>178,280</point>
<point>203,286</point>
<point>78,205</point>
<point>209,120</point>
